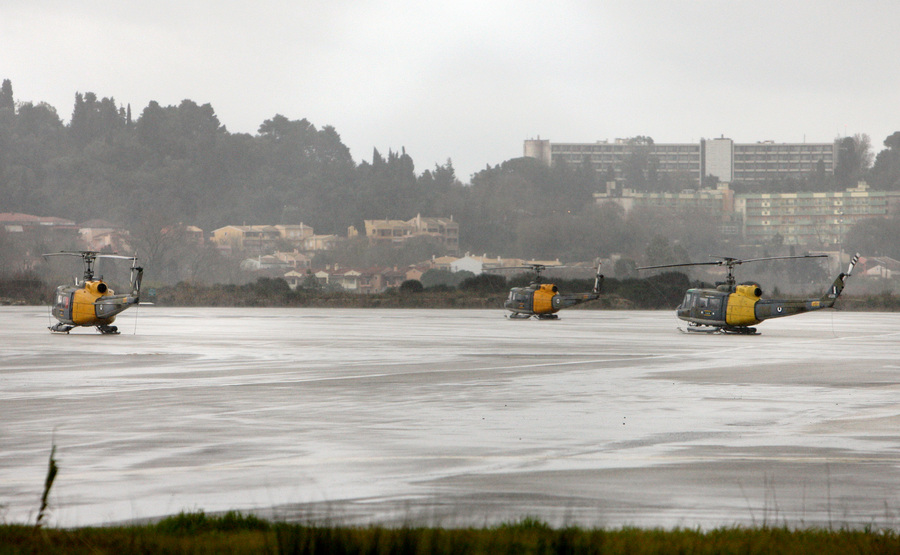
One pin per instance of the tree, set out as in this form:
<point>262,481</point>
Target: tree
<point>411,286</point>
<point>7,102</point>
<point>854,158</point>
<point>484,283</point>
<point>874,237</point>
<point>885,174</point>
<point>639,167</point>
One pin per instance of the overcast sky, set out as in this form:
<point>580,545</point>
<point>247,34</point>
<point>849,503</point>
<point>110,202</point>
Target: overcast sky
<point>471,80</point>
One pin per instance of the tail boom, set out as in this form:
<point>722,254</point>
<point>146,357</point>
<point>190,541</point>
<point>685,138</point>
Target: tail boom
<point>772,308</point>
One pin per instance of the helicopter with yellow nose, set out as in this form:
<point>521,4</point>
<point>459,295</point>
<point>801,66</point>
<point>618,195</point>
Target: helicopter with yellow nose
<point>543,300</point>
<point>733,308</point>
<point>91,302</point>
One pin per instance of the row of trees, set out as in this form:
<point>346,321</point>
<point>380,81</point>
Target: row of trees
<point>173,165</point>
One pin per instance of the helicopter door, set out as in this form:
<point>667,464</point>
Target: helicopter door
<point>706,308</point>
<point>714,308</point>
<point>62,309</point>
<point>698,307</point>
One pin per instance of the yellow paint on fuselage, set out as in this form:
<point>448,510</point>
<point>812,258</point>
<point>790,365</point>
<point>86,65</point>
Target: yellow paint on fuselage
<point>543,298</point>
<point>741,309</point>
<point>83,310</point>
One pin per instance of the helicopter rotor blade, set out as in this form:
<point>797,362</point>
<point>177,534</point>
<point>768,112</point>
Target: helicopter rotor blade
<point>680,265</point>
<point>728,261</point>
<point>89,255</point>
<point>780,258</point>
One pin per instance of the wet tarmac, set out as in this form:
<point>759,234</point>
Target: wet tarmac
<point>453,418</point>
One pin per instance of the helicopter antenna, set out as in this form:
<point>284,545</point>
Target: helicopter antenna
<point>730,263</point>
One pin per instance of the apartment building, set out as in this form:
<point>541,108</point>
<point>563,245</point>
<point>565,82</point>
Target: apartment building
<point>674,159</point>
<point>723,158</point>
<point>810,218</point>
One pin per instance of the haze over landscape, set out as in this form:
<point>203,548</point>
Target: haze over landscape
<point>468,81</point>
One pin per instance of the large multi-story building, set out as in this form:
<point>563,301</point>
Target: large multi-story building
<point>810,218</point>
<point>673,159</point>
<point>723,158</point>
<point>819,219</point>
<point>718,202</point>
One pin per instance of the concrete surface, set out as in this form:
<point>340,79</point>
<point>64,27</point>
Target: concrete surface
<point>453,418</point>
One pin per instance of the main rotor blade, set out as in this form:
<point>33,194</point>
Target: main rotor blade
<point>70,253</point>
<point>680,265</point>
<point>119,256</point>
<point>89,254</point>
<point>727,261</point>
<point>782,258</point>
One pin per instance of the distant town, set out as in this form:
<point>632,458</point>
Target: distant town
<point>199,204</point>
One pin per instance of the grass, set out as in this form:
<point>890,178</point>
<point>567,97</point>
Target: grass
<point>237,533</point>
<point>234,532</point>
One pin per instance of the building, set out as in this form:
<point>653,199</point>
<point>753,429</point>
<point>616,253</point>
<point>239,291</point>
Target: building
<point>296,279</point>
<point>444,230</point>
<point>36,226</point>
<point>882,267</point>
<point>765,161</point>
<point>294,234</point>
<point>467,263</point>
<point>723,158</point>
<point>315,243</point>
<point>810,218</point>
<point>261,238</point>
<point>719,202</point>
<point>397,232</point>
<point>256,238</point>
<point>296,259</point>
<point>264,263</point>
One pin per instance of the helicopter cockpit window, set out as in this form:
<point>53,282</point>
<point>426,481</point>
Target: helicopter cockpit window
<point>688,299</point>
<point>702,302</point>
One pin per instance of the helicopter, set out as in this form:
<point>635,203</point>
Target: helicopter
<point>734,309</point>
<point>91,302</point>
<point>543,300</point>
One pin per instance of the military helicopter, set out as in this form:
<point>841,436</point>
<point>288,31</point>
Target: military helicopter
<point>732,308</point>
<point>91,302</point>
<point>543,300</point>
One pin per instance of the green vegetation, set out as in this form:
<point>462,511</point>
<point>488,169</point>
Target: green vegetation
<point>165,167</point>
<point>663,291</point>
<point>483,291</point>
<point>24,288</point>
<point>237,533</point>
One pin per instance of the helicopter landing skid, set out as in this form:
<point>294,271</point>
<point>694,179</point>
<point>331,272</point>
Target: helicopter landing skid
<point>518,316</point>
<point>108,330</point>
<point>740,331</point>
<point>700,328</point>
<point>60,328</point>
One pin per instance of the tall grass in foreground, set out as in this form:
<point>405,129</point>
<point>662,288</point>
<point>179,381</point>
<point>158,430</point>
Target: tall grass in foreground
<point>237,533</point>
